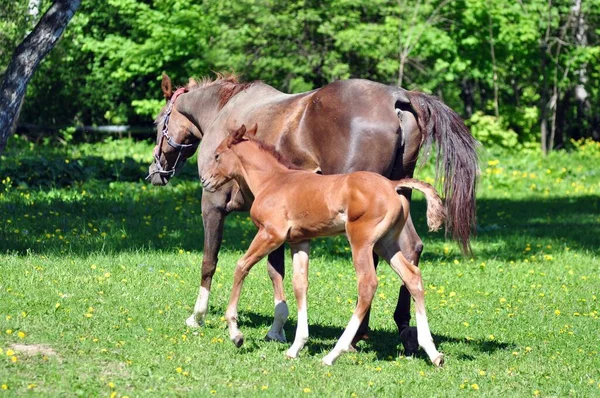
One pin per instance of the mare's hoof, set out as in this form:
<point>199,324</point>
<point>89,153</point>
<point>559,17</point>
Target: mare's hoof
<point>192,322</point>
<point>408,337</point>
<point>278,337</point>
<point>357,339</point>
<point>238,340</point>
<point>439,361</point>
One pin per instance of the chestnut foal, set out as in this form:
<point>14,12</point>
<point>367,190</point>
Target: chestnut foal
<point>296,206</point>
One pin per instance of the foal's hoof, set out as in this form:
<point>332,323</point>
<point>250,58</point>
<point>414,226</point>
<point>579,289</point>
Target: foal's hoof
<point>327,361</point>
<point>408,337</point>
<point>439,361</point>
<point>238,340</point>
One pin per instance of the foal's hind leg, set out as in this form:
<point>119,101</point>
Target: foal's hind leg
<point>263,244</point>
<point>362,255</point>
<point>300,281</point>
<point>411,276</point>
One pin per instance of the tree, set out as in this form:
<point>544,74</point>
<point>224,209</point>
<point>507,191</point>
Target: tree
<point>25,60</point>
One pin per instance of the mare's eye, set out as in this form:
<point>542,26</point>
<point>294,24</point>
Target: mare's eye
<point>216,156</point>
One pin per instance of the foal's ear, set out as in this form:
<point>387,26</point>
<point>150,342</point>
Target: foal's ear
<point>167,87</point>
<point>237,135</point>
<point>252,131</point>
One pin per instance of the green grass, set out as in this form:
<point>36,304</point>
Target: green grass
<point>103,269</point>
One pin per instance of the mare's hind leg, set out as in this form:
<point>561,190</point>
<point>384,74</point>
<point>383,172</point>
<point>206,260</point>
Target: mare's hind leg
<point>362,255</point>
<point>411,276</point>
<point>300,253</point>
<point>263,243</point>
<point>411,246</point>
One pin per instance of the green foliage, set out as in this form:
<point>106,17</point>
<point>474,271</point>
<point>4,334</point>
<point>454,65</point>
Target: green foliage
<point>14,23</point>
<point>108,65</point>
<point>492,131</point>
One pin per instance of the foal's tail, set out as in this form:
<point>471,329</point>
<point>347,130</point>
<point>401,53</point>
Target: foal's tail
<point>435,208</point>
<point>456,161</point>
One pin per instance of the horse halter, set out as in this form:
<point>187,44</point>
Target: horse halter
<point>165,134</point>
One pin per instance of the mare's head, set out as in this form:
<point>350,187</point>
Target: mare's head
<point>226,164</point>
<point>176,136</point>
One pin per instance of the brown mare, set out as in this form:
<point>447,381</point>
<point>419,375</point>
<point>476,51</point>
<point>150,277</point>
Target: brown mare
<point>294,206</point>
<point>346,126</point>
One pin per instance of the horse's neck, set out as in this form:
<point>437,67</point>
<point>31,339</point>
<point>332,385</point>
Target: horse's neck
<point>200,106</point>
<point>217,120</point>
<point>259,166</point>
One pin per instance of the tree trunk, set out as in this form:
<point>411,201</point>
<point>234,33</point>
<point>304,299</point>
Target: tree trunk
<point>545,91</point>
<point>494,68</point>
<point>467,93</point>
<point>26,58</point>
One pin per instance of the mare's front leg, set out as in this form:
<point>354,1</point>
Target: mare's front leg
<point>412,247</point>
<point>300,252</point>
<point>213,218</point>
<point>276,270</point>
<point>263,243</point>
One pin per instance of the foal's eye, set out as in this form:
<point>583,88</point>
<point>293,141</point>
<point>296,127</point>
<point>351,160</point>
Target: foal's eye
<point>216,156</point>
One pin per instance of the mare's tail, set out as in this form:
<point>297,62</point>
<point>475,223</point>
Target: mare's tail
<point>435,209</point>
<point>456,161</point>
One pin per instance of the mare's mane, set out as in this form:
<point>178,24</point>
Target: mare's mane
<point>228,83</point>
<point>270,149</point>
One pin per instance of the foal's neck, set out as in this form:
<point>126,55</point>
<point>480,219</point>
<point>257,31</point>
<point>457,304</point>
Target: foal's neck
<point>259,166</point>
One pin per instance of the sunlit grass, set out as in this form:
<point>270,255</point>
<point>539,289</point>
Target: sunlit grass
<point>98,275</point>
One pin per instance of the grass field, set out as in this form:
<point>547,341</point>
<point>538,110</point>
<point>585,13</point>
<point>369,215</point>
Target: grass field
<point>99,271</point>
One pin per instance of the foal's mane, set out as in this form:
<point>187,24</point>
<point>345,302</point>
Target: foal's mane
<point>270,149</point>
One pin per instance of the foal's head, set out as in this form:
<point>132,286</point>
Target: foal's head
<point>226,164</point>
<point>176,137</point>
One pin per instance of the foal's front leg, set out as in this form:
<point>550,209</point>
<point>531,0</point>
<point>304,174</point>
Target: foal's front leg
<point>262,244</point>
<point>300,253</point>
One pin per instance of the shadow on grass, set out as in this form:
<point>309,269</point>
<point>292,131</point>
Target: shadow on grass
<point>385,344</point>
<point>126,217</point>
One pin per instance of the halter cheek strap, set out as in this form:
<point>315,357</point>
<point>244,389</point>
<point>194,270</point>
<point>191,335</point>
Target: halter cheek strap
<point>172,143</point>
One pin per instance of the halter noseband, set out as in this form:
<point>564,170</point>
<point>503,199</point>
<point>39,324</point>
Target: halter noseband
<point>165,134</point>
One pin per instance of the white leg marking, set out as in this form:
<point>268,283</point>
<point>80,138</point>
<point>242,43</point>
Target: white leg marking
<point>425,340</point>
<point>200,308</point>
<point>343,344</point>
<point>276,331</point>
<point>300,282</point>
<point>301,334</point>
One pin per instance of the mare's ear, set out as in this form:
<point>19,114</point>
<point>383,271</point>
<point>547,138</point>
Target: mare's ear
<point>167,87</point>
<point>252,131</point>
<point>237,135</point>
